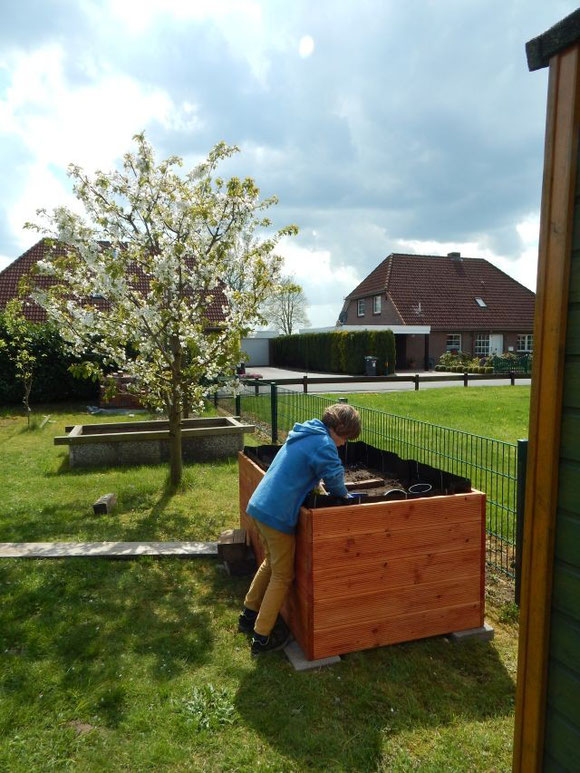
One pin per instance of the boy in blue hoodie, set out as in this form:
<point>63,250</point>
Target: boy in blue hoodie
<point>308,455</point>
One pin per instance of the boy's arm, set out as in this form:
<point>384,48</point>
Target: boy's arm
<point>330,469</point>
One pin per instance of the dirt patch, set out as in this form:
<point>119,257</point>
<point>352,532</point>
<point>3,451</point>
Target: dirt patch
<point>81,728</point>
<point>372,482</point>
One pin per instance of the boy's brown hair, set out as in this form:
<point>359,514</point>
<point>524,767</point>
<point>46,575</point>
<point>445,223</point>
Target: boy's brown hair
<point>343,419</point>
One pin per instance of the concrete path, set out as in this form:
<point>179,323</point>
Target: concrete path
<point>271,374</point>
<point>107,549</point>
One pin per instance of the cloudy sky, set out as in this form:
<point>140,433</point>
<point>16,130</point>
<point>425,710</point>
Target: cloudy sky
<point>381,125</point>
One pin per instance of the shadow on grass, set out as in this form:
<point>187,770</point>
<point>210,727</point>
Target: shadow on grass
<point>93,630</point>
<point>340,717</point>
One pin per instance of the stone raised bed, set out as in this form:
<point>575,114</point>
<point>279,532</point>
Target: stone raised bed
<point>380,572</point>
<point>147,442</point>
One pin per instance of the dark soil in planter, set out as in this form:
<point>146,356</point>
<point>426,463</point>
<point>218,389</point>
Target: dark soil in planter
<point>371,482</point>
<point>365,465</point>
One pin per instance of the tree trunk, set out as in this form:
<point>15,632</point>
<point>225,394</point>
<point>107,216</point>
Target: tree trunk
<point>175,417</point>
<point>175,455</point>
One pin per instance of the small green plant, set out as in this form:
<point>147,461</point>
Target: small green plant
<point>509,613</point>
<point>209,708</point>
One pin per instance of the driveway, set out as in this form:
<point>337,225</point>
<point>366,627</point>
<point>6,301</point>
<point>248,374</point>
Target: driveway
<point>273,374</point>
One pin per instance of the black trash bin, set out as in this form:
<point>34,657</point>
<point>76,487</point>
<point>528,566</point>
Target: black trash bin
<point>370,366</point>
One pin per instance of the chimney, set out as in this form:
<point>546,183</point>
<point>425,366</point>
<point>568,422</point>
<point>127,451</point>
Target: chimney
<point>454,255</point>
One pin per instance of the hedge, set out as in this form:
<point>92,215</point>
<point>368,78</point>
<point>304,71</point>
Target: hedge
<point>52,379</point>
<point>337,352</point>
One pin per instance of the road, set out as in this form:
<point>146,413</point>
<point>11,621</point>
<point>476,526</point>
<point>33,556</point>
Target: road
<point>273,374</point>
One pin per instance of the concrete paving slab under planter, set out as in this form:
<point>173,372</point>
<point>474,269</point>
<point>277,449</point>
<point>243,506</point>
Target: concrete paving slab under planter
<point>147,442</point>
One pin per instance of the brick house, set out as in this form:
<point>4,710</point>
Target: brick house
<point>457,303</point>
<point>11,276</point>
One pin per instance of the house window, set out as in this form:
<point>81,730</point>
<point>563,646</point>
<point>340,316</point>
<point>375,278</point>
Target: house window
<point>453,342</point>
<point>525,342</point>
<point>481,345</point>
<point>481,303</point>
<point>360,307</point>
<point>377,304</point>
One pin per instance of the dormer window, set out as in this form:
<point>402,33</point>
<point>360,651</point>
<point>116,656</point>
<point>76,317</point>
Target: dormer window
<point>481,303</point>
<point>360,307</point>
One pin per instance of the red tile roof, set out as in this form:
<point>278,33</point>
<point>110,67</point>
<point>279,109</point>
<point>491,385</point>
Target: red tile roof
<point>442,291</point>
<point>10,278</point>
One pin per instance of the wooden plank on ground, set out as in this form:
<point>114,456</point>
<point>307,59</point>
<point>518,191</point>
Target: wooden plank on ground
<point>106,549</point>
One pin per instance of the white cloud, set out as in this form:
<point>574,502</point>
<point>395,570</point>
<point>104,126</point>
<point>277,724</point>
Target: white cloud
<point>88,124</point>
<point>305,46</point>
<point>522,267</point>
<point>324,285</point>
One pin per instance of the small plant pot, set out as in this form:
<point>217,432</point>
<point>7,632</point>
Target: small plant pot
<point>419,490</point>
<point>395,493</point>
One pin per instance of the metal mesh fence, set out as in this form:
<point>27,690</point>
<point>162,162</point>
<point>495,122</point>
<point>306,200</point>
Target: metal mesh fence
<point>490,464</point>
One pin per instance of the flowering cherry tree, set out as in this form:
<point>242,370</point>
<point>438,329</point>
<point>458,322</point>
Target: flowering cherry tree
<point>145,268</point>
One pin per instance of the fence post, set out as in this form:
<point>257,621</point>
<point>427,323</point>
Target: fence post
<point>305,384</point>
<point>465,378</point>
<point>215,399</point>
<point>274,410</point>
<point>238,405</point>
<point>416,382</point>
<point>520,508</point>
<point>512,377</point>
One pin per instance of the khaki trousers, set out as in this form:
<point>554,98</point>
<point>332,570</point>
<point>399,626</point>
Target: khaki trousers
<point>273,578</point>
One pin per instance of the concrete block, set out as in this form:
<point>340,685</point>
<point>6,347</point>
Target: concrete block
<point>296,656</point>
<point>485,633</point>
<point>105,504</point>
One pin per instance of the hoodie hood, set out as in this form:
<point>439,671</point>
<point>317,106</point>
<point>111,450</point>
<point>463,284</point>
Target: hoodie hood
<point>311,427</point>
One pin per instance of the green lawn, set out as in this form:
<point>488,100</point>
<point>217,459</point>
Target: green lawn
<point>136,665</point>
<point>501,412</point>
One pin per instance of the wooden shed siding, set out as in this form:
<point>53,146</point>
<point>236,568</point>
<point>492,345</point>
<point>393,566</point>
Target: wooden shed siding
<point>561,743</point>
<point>565,642</point>
<point>562,731</point>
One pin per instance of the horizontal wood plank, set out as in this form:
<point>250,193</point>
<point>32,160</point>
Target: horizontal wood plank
<point>573,330</point>
<point>571,390</point>
<point>563,690</point>
<point>565,640</point>
<point>336,552</point>
<point>569,474</point>
<point>417,625</point>
<point>567,541</point>
<point>569,446</point>
<point>372,607</point>
<point>566,589</point>
<point>399,514</point>
<point>562,740</point>
<point>350,580</point>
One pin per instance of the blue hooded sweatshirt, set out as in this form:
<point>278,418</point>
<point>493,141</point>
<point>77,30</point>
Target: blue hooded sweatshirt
<point>308,455</point>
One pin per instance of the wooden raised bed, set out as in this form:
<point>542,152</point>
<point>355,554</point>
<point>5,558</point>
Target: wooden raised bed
<point>382,572</point>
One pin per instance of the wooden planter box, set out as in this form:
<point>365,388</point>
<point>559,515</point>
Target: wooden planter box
<point>383,572</point>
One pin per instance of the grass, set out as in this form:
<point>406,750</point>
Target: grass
<point>501,412</point>
<point>137,666</point>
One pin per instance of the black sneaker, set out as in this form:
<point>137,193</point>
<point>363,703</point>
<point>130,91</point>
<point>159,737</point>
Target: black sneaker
<point>246,621</point>
<point>277,640</point>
